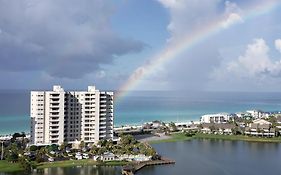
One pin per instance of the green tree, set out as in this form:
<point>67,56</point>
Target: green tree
<point>12,152</point>
<point>40,154</point>
<point>94,150</point>
<point>127,140</point>
<point>212,128</point>
<point>33,148</point>
<point>82,144</point>
<point>25,164</point>
<point>273,120</point>
<point>53,147</point>
<point>63,146</point>
<point>12,157</point>
<point>173,126</point>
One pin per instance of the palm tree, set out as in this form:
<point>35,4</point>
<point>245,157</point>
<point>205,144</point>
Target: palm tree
<point>63,146</point>
<point>173,126</point>
<point>82,144</point>
<point>212,128</point>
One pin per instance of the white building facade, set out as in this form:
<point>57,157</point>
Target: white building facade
<point>215,118</point>
<point>67,116</point>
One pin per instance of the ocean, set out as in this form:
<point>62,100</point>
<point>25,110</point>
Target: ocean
<point>142,106</point>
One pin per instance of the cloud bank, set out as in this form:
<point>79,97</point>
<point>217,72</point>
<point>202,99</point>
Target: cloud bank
<point>63,38</point>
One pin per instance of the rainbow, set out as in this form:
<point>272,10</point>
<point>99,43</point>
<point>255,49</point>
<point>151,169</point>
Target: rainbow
<point>189,41</point>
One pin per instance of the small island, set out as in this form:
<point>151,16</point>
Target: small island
<point>18,156</point>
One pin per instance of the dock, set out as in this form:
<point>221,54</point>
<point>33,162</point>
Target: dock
<point>132,169</point>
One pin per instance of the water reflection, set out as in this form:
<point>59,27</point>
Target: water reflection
<point>214,157</point>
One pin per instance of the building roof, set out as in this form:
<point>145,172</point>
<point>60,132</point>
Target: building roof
<point>219,125</point>
<point>259,126</point>
<point>261,121</point>
<point>108,154</point>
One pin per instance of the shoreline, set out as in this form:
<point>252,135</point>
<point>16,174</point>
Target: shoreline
<point>118,125</point>
<point>7,167</point>
<point>181,137</point>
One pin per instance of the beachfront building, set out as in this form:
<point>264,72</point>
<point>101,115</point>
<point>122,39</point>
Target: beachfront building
<point>215,118</point>
<point>59,116</point>
<point>258,114</point>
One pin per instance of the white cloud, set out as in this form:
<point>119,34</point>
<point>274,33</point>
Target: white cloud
<point>170,3</point>
<point>231,7</point>
<point>232,18</point>
<point>254,64</point>
<point>278,44</point>
<point>254,61</point>
<point>189,15</point>
<point>101,74</point>
<point>232,14</point>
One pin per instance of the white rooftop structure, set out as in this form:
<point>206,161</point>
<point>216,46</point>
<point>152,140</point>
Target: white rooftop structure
<point>215,118</point>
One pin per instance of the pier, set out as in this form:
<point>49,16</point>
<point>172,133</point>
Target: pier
<point>133,168</point>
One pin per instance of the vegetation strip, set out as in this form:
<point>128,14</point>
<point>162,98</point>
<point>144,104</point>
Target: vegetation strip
<point>182,137</point>
<point>237,137</point>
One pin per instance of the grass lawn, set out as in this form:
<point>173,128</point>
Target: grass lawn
<point>66,163</point>
<point>70,163</point>
<point>8,167</point>
<point>175,137</point>
<point>237,137</point>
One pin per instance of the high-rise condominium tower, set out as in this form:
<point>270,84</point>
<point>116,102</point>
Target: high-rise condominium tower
<point>66,116</point>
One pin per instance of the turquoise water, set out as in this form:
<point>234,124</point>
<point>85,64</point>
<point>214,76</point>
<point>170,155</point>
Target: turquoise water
<point>139,107</point>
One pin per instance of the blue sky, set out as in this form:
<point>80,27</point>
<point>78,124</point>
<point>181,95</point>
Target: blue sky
<point>78,43</point>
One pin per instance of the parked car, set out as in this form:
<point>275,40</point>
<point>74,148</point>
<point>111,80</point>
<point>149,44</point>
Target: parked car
<point>85,156</point>
<point>50,159</point>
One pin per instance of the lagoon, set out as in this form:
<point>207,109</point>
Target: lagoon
<point>218,157</point>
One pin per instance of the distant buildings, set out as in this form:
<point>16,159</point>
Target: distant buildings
<point>59,116</point>
<point>221,128</point>
<point>215,118</point>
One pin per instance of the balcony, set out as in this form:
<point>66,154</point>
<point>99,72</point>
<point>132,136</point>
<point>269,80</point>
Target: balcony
<point>103,119</point>
<point>54,119</point>
<point>54,104</point>
<point>102,131</point>
<point>102,122</point>
<point>55,95</point>
<point>54,109</point>
<point>54,124</point>
<point>103,110</point>
<point>102,114</point>
<point>55,100</point>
